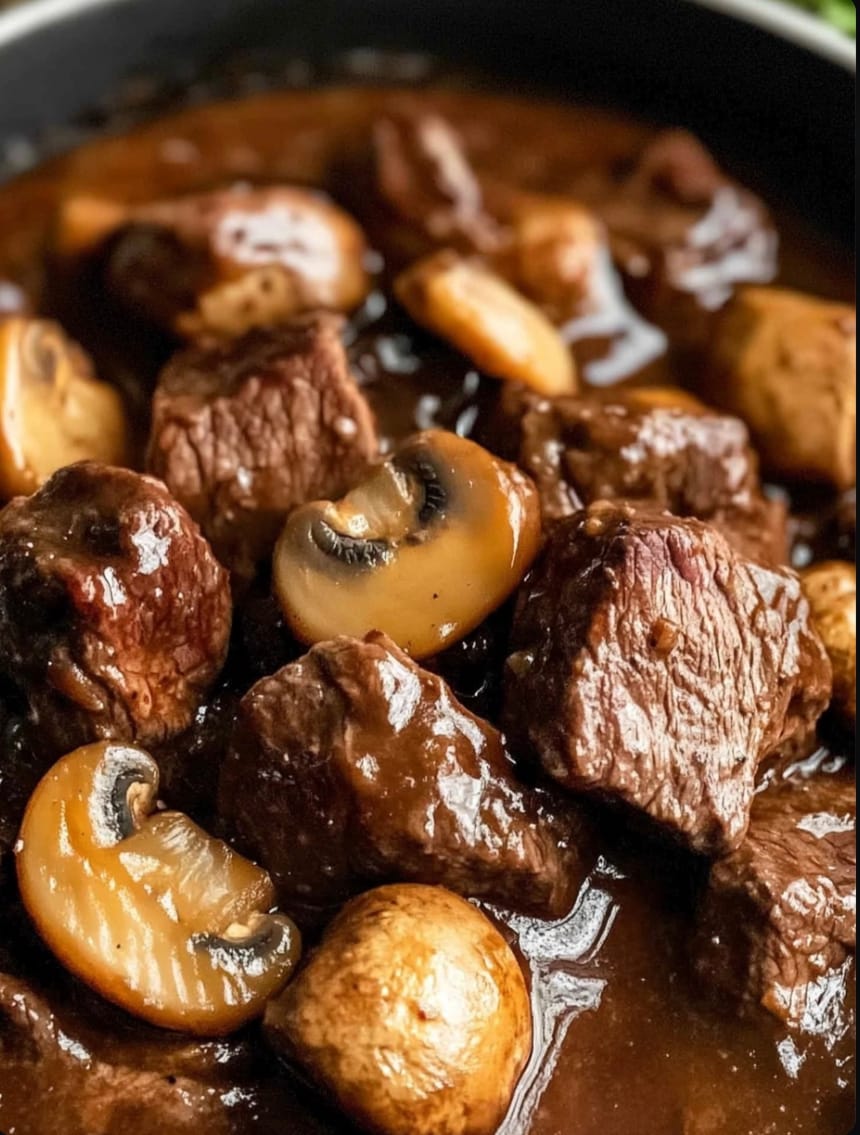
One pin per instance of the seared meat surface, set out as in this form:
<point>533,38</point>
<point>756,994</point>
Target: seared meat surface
<point>688,460</point>
<point>574,845</point>
<point>685,235</point>
<point>114,614</point>
<point>354,765</point>
<point>217,264</point>
<point>777,927</point>
<point>665,665</point>
<point>243,433</point>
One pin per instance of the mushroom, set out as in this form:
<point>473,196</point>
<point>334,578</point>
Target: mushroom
<point>555,249</point>
<point>413,1013</point>
<point>84,222</point>
<point>156,915</point>
<point>502,332</point>
<point>831,588</point>
<point>786,363</point>
<point>423,549</point>
<point>218,264</point>
<point>53,410</point>
<point>661,398</point>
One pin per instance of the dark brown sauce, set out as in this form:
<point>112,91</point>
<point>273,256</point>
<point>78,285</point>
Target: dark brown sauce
<point>624,1040</point>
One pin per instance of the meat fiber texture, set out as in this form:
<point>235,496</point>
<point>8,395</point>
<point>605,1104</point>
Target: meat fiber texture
<point>656,667</point>
<point>114,613</point>
<point>354,765</point>
<point>243,433</point>
<point>778,923</point>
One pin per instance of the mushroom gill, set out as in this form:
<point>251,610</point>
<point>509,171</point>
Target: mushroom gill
<point>423,549</point>
<point>143,905</point>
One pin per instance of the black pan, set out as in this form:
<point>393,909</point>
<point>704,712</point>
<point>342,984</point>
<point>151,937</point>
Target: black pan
<point>751,77</point>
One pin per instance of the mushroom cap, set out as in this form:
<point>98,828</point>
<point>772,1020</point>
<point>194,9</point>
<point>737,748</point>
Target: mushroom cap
<point>831,589</point>
<point>144,906</point>
<point>423,549</point>
<point>53,409</point>
<point>413,1013</point>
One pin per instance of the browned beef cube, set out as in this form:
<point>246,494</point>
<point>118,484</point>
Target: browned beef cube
<point>353,765</point>
<point>580,450</point>
<point>655,666</point>
<point>685,235</point>
<point>114,614</point>
<point>243,433</point>
<point>683,457</point>
<point>778,920</point>
<point>217,264</point>
<point>432,195</point>
<point>108,1074</point>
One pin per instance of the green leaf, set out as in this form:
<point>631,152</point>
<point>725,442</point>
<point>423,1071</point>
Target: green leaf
<point>841,13</point>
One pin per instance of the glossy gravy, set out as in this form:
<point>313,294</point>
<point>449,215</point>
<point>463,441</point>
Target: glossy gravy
<point>625,1042</point>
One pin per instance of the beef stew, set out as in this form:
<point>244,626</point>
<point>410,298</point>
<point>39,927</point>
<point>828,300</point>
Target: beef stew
<point>252,278</point>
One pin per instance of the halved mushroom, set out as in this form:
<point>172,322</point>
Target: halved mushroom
<point>501,331</point>
<point>423,549</point>
<point>53,410</point>
<point>144,906</point>
<point>831,588</point>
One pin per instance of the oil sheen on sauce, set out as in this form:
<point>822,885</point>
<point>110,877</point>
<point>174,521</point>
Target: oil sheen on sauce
<point>624,1040</point>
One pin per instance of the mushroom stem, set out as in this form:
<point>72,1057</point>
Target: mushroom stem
<point>133,901</point>
<point>431,542</point>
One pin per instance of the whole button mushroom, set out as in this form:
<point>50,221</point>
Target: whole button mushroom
<point>413,1013</point>
<point>218,264</point>
<point>424,548</point>
<point>831,588</point>
<point>143,905</point>
<point>114,613</point>
<point>503,333</point>
<point>53,410</point>
<point>785,362</point>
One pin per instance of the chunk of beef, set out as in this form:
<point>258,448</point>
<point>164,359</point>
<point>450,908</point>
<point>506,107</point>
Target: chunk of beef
<point>220,263</point>
<point>689,460</point>
<point>758,530</point>
<point>93,1095</point>
<point>579,450</point>
<point>244,432</point>
<point>425,180</point>
<point>785,362</point>
<point>778,918</point>
<point>189,763</point>
<point>655,666</point>
<point>69,1063</point>
<point>114,614</point>
<point>354,766</point>
<point>685,235</point>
